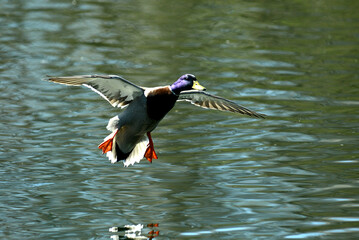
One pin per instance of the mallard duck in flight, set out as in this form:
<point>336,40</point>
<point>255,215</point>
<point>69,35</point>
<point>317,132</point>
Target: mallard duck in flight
<point>130,139</point>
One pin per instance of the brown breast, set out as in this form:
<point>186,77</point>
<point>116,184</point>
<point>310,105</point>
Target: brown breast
<point>159,102</point>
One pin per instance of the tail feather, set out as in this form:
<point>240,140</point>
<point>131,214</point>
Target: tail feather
<point>115,154</point>
<point>137,153</point>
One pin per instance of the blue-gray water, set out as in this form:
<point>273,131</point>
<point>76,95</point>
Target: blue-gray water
<point>219,175</point>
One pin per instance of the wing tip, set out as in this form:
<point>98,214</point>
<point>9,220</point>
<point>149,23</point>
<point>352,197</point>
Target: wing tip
<point>71,80</point>
<point>260,115</point>
<point>47,78</point>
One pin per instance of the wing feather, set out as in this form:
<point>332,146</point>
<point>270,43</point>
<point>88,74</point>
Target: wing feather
<point>116,90</point>
<point>206,100</point>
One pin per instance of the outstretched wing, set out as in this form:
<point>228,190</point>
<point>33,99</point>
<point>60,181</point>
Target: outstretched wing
<point>116,90</point>
<point>206,100</point>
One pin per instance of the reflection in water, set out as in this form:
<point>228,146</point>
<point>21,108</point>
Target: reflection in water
<point>135,232</point>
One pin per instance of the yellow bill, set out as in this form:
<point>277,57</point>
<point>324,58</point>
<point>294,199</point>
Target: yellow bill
<point>197,86</point>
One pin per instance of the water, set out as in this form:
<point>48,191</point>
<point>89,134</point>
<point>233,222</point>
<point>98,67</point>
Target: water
<point>219,175</point>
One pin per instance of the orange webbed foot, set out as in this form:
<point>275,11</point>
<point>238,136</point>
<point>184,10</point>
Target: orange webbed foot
<point>150,151</point>
<point>106,146</point>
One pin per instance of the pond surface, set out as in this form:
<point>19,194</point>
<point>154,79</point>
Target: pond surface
<point>219,175</point>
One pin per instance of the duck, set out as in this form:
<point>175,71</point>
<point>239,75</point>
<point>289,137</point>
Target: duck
<point>130,139</point>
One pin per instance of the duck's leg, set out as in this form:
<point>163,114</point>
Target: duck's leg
<point>106,145</point>
<point>150,151</point>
